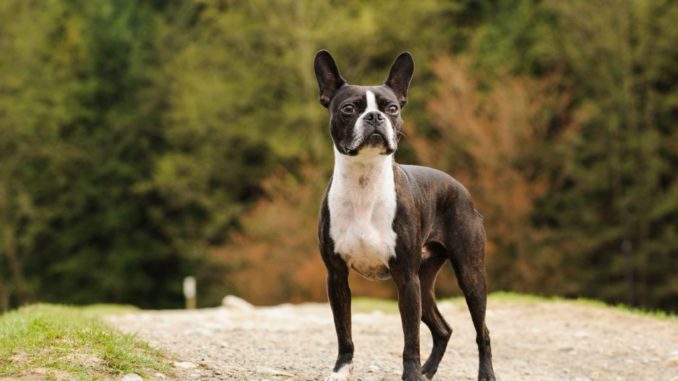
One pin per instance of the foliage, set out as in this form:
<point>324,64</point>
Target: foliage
<point>501,141</point>
<point>144,141</point>
<point>76,142</point>
<point>66,342</point>
<point>616,207</point>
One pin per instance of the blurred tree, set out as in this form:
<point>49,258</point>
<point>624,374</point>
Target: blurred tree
<point>76,140</point>
<point>32,107</point>
<point>143,141</point>
<point>615,210</point>
<point>494,141</point>
<point>612,209</point>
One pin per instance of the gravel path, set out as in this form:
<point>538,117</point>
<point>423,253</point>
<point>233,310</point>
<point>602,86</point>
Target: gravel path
<point>531,341</point>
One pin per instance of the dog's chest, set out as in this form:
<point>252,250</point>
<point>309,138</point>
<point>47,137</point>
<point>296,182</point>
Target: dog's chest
<point>362,206</point>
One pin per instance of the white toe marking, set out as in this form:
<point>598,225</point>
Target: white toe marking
<point>343,374</point>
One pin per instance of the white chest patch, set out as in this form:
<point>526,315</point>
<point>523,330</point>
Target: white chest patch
<point>362,205</point>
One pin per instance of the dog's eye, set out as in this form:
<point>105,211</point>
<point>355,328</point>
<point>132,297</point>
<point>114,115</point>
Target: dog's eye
<point>392,109</point>
<point>348,109</point>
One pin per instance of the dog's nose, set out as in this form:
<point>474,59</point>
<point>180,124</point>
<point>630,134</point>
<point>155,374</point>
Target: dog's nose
<point>374,117</point>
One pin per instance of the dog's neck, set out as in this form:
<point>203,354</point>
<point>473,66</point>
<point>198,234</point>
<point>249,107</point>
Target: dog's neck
<point>363,178</point>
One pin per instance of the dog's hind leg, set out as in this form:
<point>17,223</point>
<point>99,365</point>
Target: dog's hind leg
<point>440,330</point>
<point>468,260</point>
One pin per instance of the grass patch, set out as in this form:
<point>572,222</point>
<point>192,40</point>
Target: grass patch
<point>101,309</point>
<point>367,305</point>
<point>524,298</point>
<point>56,342</point>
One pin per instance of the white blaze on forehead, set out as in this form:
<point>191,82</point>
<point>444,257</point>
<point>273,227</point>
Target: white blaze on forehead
<point>371,102</point>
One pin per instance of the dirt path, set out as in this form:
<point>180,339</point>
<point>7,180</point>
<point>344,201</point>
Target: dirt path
<point>531,341</point>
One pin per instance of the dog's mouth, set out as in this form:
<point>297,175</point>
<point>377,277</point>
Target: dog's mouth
<point>375,142</point>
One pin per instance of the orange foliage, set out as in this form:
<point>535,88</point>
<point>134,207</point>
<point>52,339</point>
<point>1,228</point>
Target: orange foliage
<point>489,140</point>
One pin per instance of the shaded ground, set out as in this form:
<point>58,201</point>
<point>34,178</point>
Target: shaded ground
<point>531,341</point>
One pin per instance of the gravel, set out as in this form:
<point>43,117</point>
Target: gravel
<point>530,341</point>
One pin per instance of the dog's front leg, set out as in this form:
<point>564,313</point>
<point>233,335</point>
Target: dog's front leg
<point>409,303</point>
<point>340,300</point>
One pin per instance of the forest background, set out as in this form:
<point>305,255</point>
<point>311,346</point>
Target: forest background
<point>143,141</point>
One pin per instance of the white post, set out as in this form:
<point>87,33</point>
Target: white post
<point>189,292</point>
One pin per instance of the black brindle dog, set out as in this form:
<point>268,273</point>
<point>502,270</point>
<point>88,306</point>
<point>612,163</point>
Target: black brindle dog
<point>383,219</point>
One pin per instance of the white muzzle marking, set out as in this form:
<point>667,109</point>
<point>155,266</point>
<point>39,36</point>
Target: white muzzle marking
<point>360,127</point>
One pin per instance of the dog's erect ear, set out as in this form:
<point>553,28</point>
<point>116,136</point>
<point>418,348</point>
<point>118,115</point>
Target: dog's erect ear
<point>327,73</point>
<point>399,77</point>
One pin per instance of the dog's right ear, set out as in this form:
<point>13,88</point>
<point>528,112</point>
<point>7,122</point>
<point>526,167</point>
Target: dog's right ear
<point>327,73</point>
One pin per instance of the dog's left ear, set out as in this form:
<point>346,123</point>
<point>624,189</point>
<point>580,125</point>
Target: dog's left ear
<point>399,77</point>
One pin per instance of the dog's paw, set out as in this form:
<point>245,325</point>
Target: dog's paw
<point>419,377</point>
<point>343,374</point>
<point>415,377</point>
<point>486,375</point>
<point>425,377</point>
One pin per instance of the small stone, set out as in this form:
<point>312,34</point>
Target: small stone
<point>272,371</point>
<point>236,303</point>
<point>132,377</point>
<point>200,332</point>
<point>671,361</point>
<point>159,375</point>
<point>184,365</point>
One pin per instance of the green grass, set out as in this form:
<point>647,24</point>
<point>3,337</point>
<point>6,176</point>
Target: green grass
<point>55,341</point>
<point>101,309</point>
<point>524,298</point>
<point>367,305</point>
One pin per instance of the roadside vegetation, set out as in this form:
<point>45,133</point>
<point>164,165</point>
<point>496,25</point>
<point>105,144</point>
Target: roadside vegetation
<point>367,305</point>
<point>44,341</point>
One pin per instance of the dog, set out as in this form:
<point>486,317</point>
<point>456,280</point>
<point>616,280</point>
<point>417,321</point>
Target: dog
<point>387,220</point>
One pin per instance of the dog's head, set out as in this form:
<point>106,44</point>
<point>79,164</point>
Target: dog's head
<point>364,119</point>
